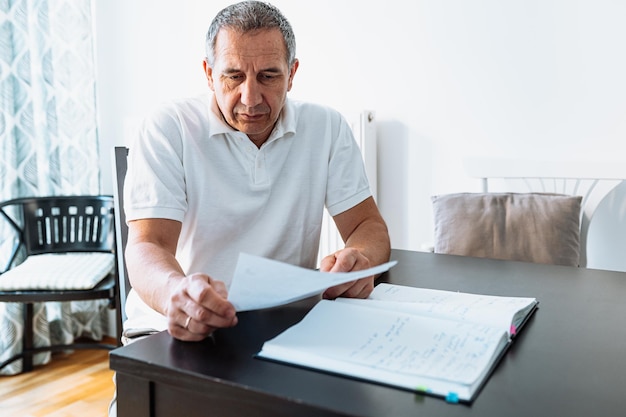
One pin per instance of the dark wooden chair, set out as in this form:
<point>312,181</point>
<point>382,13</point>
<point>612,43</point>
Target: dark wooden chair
<point>67,244</point>
<point>120,166</point>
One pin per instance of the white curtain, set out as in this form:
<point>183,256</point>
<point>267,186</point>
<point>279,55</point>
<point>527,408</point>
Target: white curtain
<point>48,141</point>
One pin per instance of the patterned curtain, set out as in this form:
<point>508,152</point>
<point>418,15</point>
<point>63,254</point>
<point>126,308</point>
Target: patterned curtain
<point>48,139</point>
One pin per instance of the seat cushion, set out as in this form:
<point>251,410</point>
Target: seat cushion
<point>75,271</point>
<point>530,227</point>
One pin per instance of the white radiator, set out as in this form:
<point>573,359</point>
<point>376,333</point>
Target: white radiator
<point>364,129</point>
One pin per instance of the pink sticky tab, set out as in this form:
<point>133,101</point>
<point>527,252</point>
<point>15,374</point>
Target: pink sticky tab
<point>513,330</point>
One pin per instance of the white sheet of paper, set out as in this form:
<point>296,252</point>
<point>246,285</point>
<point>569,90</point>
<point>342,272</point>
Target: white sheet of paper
<point>262,283</point>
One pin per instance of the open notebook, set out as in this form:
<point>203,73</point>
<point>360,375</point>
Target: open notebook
<point>438,342</point>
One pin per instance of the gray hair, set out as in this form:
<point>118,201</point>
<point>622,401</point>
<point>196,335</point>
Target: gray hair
<point>248,16</point>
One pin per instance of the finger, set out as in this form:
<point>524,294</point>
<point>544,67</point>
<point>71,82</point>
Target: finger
<point>349,259</point>
<point>197,329</point>
<point>361,288</point>
<point>210,305</point>
<point>185,328</point>
<point>215,310</point>
<point>345,261</point>
<point>219,287</point>
<point>327,263</point>
<point>336,291</point>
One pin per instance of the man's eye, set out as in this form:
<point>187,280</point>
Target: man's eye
<point>268,77</point>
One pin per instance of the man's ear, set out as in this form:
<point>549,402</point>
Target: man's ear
<point>292,73</point>
<point>208,71</point>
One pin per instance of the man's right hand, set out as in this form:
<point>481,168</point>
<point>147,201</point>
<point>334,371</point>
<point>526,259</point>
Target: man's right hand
<point>197,307</point>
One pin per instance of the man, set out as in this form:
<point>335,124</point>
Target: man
<point>241,170</point>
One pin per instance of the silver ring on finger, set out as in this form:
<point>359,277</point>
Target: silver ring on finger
<point>186,326</point>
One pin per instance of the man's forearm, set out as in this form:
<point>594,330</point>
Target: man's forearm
<point>371,238</point>
<point>153,273</point>
<point>363,228</point>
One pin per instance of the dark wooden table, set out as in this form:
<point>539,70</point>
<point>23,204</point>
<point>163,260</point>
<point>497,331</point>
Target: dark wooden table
<point>569,360</point>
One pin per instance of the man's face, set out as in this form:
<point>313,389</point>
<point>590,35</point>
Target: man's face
<point>250,78</point>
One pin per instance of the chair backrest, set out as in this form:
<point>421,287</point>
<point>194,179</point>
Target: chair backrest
<point>120,166</point>
<point>61,224</point>
<point>592,181</point>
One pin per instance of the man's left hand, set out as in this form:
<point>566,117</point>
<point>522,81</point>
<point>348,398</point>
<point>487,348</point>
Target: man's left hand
<point>346,260</point>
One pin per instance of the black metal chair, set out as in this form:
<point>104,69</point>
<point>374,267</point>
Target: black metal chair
<point>56,237</point>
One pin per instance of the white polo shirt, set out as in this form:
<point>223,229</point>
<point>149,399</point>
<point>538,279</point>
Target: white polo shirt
<point>188,165</point>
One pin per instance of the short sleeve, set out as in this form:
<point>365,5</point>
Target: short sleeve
<point>347,180</point>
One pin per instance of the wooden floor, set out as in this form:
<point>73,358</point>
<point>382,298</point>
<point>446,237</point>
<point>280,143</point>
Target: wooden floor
<point>70,385</point>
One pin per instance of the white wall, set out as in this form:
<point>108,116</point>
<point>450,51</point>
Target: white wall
<point>448,79</point>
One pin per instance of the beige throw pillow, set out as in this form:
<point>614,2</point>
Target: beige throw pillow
<point>532,227</point>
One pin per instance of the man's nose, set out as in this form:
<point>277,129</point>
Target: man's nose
<point>251,93</point>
